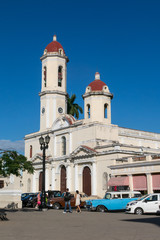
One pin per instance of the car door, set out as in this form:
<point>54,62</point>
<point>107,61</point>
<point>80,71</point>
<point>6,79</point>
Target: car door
<point>151,204</point>
<point>116,202</point>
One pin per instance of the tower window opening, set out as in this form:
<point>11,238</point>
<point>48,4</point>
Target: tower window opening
<point>63,146</point>
<point>45,76</point>
<point>60,51</point>
<point>88,111</point>
<point>60,77</point>
<point>105,110</point>
<point>30,151</point>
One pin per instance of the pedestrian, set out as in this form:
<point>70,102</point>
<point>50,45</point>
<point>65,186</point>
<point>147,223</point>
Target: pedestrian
<point>38,200</point>
<point>78,201</point>
<point>67,198</point>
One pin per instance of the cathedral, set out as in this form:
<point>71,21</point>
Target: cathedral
<point>90,155</point>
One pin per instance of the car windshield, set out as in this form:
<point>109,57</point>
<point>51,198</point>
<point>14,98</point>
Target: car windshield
<point>107,196</point>
<point>143,197</point>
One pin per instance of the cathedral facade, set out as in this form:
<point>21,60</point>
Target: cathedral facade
<point>91,154</point>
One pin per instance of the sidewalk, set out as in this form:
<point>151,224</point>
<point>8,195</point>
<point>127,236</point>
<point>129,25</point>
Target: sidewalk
<point>53,224</point>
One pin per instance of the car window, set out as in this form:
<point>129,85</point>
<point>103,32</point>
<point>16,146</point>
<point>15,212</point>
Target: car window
<point>107,196</point>
<point>125,195</point>
<point>57,194</point>
<point>116,196</point>
<point>152,198</point>
<point>136,195</point>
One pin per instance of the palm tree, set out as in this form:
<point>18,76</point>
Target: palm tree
<point>73,108</point>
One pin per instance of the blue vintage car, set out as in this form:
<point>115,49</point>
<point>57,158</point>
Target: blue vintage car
<point>112,201</point>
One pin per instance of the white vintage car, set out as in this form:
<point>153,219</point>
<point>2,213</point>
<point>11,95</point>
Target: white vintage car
<point>147,204</point>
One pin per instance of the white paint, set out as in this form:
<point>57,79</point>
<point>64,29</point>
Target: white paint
<point>69,177</point>
<point>53,178</point>
<point>34,182</point>
<point>94,179</point>
<point>76,187</point>
<point>70,142</point>
<point>47,179</point>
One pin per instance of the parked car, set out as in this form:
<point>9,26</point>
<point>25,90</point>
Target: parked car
<point>149,203</point>
<point>112,201</point>
<point>32,202</point>
<point>26,199</point>
<point>58,202</point>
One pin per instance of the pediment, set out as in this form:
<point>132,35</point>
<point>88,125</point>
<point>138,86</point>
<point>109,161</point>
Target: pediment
<point>37,158</point>
<point>83,152</point>
<point>63,121</point>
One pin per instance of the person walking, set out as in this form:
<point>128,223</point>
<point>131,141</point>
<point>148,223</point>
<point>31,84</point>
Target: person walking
<point>67,198</point>
<point>78,201</point>
<point>38,200</point>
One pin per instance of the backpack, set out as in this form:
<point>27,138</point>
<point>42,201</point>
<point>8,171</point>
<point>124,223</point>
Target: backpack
<point>67,197</point>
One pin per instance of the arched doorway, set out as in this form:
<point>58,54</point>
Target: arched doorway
<point>87,181</point>
<point>40,181</point>
<point>63,179</point>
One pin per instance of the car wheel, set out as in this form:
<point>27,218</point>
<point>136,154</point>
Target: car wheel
<point>101,208</point>
<point>56,206</point>
<point>139,211</point>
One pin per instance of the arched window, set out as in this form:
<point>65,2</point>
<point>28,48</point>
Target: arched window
<point>88,111</point>
<point>30,151</point>
<point>45,76</point>
<point>1,184</point>
<point>105,110</point>
<point>63,146</point>
<point>60,76</point>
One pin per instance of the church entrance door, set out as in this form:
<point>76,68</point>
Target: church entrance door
<point>63,179</point>
<point>40,181</point>
<point>87,181</point>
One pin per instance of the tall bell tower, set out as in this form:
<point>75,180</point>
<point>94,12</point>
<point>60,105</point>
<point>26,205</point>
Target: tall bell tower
<point>53,87</point>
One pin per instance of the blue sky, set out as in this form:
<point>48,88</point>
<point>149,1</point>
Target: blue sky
<point>120,39</point>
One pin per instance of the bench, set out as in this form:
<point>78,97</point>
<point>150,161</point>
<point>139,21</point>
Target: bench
<point>3,215</point>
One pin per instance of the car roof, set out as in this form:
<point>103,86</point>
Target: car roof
<point>123,192</point>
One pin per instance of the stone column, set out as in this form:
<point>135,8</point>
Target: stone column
<point>76,184</point>
<point>94,179</point>
<point>34,187</point>
<point>70,143</point>
<point>149,183</point>
<point>130,182</point>
<point>54,148</point>
<point>69,177</point>
<point>53,178</point>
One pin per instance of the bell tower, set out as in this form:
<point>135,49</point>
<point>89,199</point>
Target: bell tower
<point>97,101</point>
<point>53,86</point>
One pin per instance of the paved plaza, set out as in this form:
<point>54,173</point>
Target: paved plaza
<point>53,224</point>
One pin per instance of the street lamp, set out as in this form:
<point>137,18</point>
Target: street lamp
<point>43,146</point>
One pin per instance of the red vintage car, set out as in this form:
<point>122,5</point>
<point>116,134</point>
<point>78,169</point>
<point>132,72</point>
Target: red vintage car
<point>58,202</point>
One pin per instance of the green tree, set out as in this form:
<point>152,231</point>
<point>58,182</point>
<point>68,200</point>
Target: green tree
<point>73,108</point>
<point>13,163</point>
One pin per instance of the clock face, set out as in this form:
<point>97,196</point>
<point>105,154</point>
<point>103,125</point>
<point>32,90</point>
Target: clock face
<point>60,110</point>
<point>43,110</point>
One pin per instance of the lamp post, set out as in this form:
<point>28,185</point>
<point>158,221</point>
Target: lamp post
<point>43,146</point>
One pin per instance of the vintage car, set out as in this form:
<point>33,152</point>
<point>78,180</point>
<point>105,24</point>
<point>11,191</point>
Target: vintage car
<point>147,204</point>
<point>58,202</point>
<point>112,201</point>
<point>26,199</point>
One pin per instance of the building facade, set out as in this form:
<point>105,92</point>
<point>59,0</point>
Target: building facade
<point>88,154</point>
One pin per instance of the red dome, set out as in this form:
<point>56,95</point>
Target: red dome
<point>54,46</point>
<point>97,85</point>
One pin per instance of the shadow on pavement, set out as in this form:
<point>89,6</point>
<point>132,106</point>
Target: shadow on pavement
<point>152,220</point>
